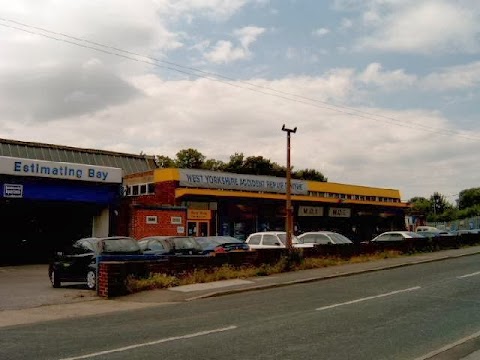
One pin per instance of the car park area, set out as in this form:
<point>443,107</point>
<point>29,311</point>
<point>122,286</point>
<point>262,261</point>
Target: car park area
<point>28,286</point>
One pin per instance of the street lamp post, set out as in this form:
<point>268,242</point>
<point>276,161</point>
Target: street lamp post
<point>289,217</point>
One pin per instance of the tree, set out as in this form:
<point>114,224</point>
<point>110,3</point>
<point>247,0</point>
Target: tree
<point>235,164</point>
<point>257,165</point>
<point>190,159</point>
<point>421,205</point>
<point>164,161</point>
<point>309,174</point>
<point>469,198</point>
<point>215,165</point>
<point>439,203</point>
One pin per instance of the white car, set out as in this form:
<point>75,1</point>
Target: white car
<point>392,236</point>
<point>323,237</point>
<point>273,240</point>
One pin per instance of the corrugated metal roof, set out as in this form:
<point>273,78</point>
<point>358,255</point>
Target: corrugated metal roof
<point>129,163</point>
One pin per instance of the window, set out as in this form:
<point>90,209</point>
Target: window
<point>255,240</point>
<point>143,189</point>
<point>270,240</point>
<point>322,239</point>
<point>396,237</point>
<point>135,190</point>
<point>156,245</point>
<point>151,188</point>
<point>384,237</point>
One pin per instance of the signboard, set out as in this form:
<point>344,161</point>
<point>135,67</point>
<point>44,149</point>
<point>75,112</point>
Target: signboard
<point>59,170</point>
<point>219,180</point>
<point>193,214</point>
<point>310,211</point>
<point>12,191</point>
<point>151,219</point>
<point>339,212</point>
<point>180,230</point>
<point>176,220</point>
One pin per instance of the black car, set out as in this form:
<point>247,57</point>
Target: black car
<point>221,244</point>
<point>170,245</point>
<point>78,262</point>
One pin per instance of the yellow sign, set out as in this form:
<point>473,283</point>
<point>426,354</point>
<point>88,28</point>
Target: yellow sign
<point>199,214</point>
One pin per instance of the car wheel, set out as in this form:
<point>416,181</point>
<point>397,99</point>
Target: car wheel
<point>91,280</point>
<point>54,279</point>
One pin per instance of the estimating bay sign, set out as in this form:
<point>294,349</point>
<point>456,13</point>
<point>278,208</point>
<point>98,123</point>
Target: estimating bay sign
<point>59,170</point>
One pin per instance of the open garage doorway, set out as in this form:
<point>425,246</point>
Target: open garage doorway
<point>32,230</point>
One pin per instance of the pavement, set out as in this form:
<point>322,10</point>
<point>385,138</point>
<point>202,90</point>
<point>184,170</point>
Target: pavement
<point>92,305</point>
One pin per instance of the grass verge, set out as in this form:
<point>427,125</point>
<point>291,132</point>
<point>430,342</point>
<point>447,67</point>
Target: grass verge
<point>293,262</point>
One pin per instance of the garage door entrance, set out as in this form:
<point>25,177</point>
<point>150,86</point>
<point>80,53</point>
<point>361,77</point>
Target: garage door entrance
<point>32,230</point>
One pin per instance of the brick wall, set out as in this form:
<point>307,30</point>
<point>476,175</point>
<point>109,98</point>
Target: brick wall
<point>111,279</point>
<point>139,227</point>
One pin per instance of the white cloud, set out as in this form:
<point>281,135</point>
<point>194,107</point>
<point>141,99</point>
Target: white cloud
<point>248,35</point>
<point>218,10</point>
<point>421,26</point>
<point>320,32</point>
<point>454,77</point>
<point>374,75</point>
<point>225,52</point>
<point>346,24</point>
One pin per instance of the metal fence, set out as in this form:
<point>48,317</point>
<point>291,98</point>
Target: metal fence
<point>464,224</point>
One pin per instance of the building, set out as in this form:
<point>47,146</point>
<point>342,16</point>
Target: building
<point>215,203</point>
<point>52,195</point>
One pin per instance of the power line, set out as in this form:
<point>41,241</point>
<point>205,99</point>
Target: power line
<point>227,80</point>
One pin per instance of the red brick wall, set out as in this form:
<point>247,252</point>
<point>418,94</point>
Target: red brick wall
<point>139,227</point>
<point>165,192</point>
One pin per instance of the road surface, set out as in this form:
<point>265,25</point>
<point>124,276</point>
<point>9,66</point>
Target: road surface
<point>403,313</point>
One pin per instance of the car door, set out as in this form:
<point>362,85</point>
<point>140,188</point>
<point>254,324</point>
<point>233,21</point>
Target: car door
<point>77,262</point>
<point>254,241</point>
<point>271,241</point>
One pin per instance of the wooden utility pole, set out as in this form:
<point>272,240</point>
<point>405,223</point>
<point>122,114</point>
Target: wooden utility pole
<point>289,212</point>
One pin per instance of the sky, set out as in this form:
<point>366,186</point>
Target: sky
<point>383,93</point>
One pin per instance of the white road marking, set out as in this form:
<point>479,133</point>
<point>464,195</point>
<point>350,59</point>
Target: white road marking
<point>368,298</point>
<point>150,343</point>
<point>468,275</point>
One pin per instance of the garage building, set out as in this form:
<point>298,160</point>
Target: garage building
<point>52,195</point>
<point>218,203</point>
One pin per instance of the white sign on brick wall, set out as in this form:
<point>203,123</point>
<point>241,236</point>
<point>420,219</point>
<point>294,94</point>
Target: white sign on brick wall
<point>151,219</point>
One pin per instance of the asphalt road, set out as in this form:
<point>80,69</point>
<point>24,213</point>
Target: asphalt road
<point>396,314</point>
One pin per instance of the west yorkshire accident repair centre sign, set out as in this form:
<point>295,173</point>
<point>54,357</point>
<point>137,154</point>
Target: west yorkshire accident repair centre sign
<point>59,170</point>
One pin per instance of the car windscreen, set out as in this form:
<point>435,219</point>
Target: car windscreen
<point>120,245</point>
<point>184,243</point>
<point>340,239</point>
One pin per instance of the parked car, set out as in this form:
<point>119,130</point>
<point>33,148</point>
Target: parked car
<point>170,245</point>
<point>221,244</point>
<point>78,263</point>
<point>323,237</point>
<point>423,228</point>
<point>395,236</point>
<point>273,240</point>
<point>432,234</point>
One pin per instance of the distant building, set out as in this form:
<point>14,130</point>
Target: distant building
<point>217,203</point>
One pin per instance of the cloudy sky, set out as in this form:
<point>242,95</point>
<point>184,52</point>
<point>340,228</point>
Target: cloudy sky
<point>383,92</point>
